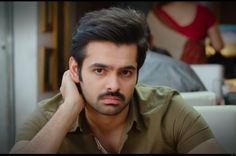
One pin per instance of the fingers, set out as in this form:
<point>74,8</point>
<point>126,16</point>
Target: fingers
<point>66,80</point>
<point>63,80</point>
<point>69,91</point>
<point>68,86</point>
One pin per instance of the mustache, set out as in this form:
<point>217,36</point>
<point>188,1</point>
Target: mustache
<point>117,94</point>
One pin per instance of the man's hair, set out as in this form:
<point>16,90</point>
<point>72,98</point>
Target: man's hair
<point>120,26</point>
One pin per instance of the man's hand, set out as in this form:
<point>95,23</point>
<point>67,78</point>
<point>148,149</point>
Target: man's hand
<point>70,92</point>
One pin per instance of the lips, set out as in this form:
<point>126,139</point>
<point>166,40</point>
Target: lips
<point>111,100</point>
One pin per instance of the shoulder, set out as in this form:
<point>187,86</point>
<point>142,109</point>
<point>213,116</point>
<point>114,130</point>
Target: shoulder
<point>151,96</point>
<point>164,98</point>
<point>163,109</point>
<point>204,9</point>
<point>164,61</point>
<point>207,15</point>
<point>159,57</point>
<point>202,6</point>
<point>49,106</point>
<point>145,91</point>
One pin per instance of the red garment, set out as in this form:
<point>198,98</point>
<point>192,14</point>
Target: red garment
<point>197,30</point>
<point>194,49</point>
<point>194,53</point>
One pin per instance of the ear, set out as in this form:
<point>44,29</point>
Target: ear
<point>73,67</point>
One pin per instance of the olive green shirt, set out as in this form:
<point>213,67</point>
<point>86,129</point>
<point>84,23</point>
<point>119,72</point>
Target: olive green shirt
<point>159,121</point>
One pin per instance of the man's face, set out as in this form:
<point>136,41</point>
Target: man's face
<point>109,74</point>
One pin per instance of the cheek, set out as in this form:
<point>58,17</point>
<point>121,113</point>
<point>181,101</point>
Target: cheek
<point>90,87</point>
<point>132,82</point>
<point>90,96</point>
<point>128,88</point>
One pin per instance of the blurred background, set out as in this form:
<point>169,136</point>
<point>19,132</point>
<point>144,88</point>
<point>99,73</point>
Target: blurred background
<point>35,40</point>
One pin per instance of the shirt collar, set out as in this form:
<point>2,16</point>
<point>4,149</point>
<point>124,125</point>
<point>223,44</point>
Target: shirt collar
<point>134,117</point>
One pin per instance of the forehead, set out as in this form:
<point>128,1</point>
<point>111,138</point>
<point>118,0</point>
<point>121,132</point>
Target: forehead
<point>109,53</point>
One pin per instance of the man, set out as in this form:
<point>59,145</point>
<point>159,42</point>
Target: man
<point>160,68</point>
<point>101,109</point>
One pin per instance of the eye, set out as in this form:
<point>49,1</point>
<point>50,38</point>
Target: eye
<point>126,73</point>
<point>99,71</point>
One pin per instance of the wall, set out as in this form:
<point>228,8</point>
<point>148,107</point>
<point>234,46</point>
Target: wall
<point>6,80</point>
<point>25,59</point>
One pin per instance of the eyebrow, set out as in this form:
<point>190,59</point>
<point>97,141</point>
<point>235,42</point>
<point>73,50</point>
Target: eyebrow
<point>131,67</point>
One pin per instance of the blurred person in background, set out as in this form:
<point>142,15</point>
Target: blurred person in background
<point>181,27</point>
<point>160,68</point>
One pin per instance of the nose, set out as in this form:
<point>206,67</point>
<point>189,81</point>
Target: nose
<point>113,84</point>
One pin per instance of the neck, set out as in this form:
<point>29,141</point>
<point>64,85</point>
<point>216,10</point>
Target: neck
<point>105,123</point>
<point>107,129</point>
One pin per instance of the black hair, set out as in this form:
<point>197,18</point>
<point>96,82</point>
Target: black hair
<point>121,26</point>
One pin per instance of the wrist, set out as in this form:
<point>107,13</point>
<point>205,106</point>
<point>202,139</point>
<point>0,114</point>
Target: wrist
<point>72,105</point>
<point>70,114</point>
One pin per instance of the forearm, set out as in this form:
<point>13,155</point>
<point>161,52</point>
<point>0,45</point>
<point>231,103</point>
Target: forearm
<point>216,38</point>
<point>210,146</point>
<point>50,137</point>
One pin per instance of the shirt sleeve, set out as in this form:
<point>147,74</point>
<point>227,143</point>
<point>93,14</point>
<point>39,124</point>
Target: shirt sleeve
<point>39,117</point>
<point>186,127</point>
<point>208,16</point>
<point>31,126</point>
